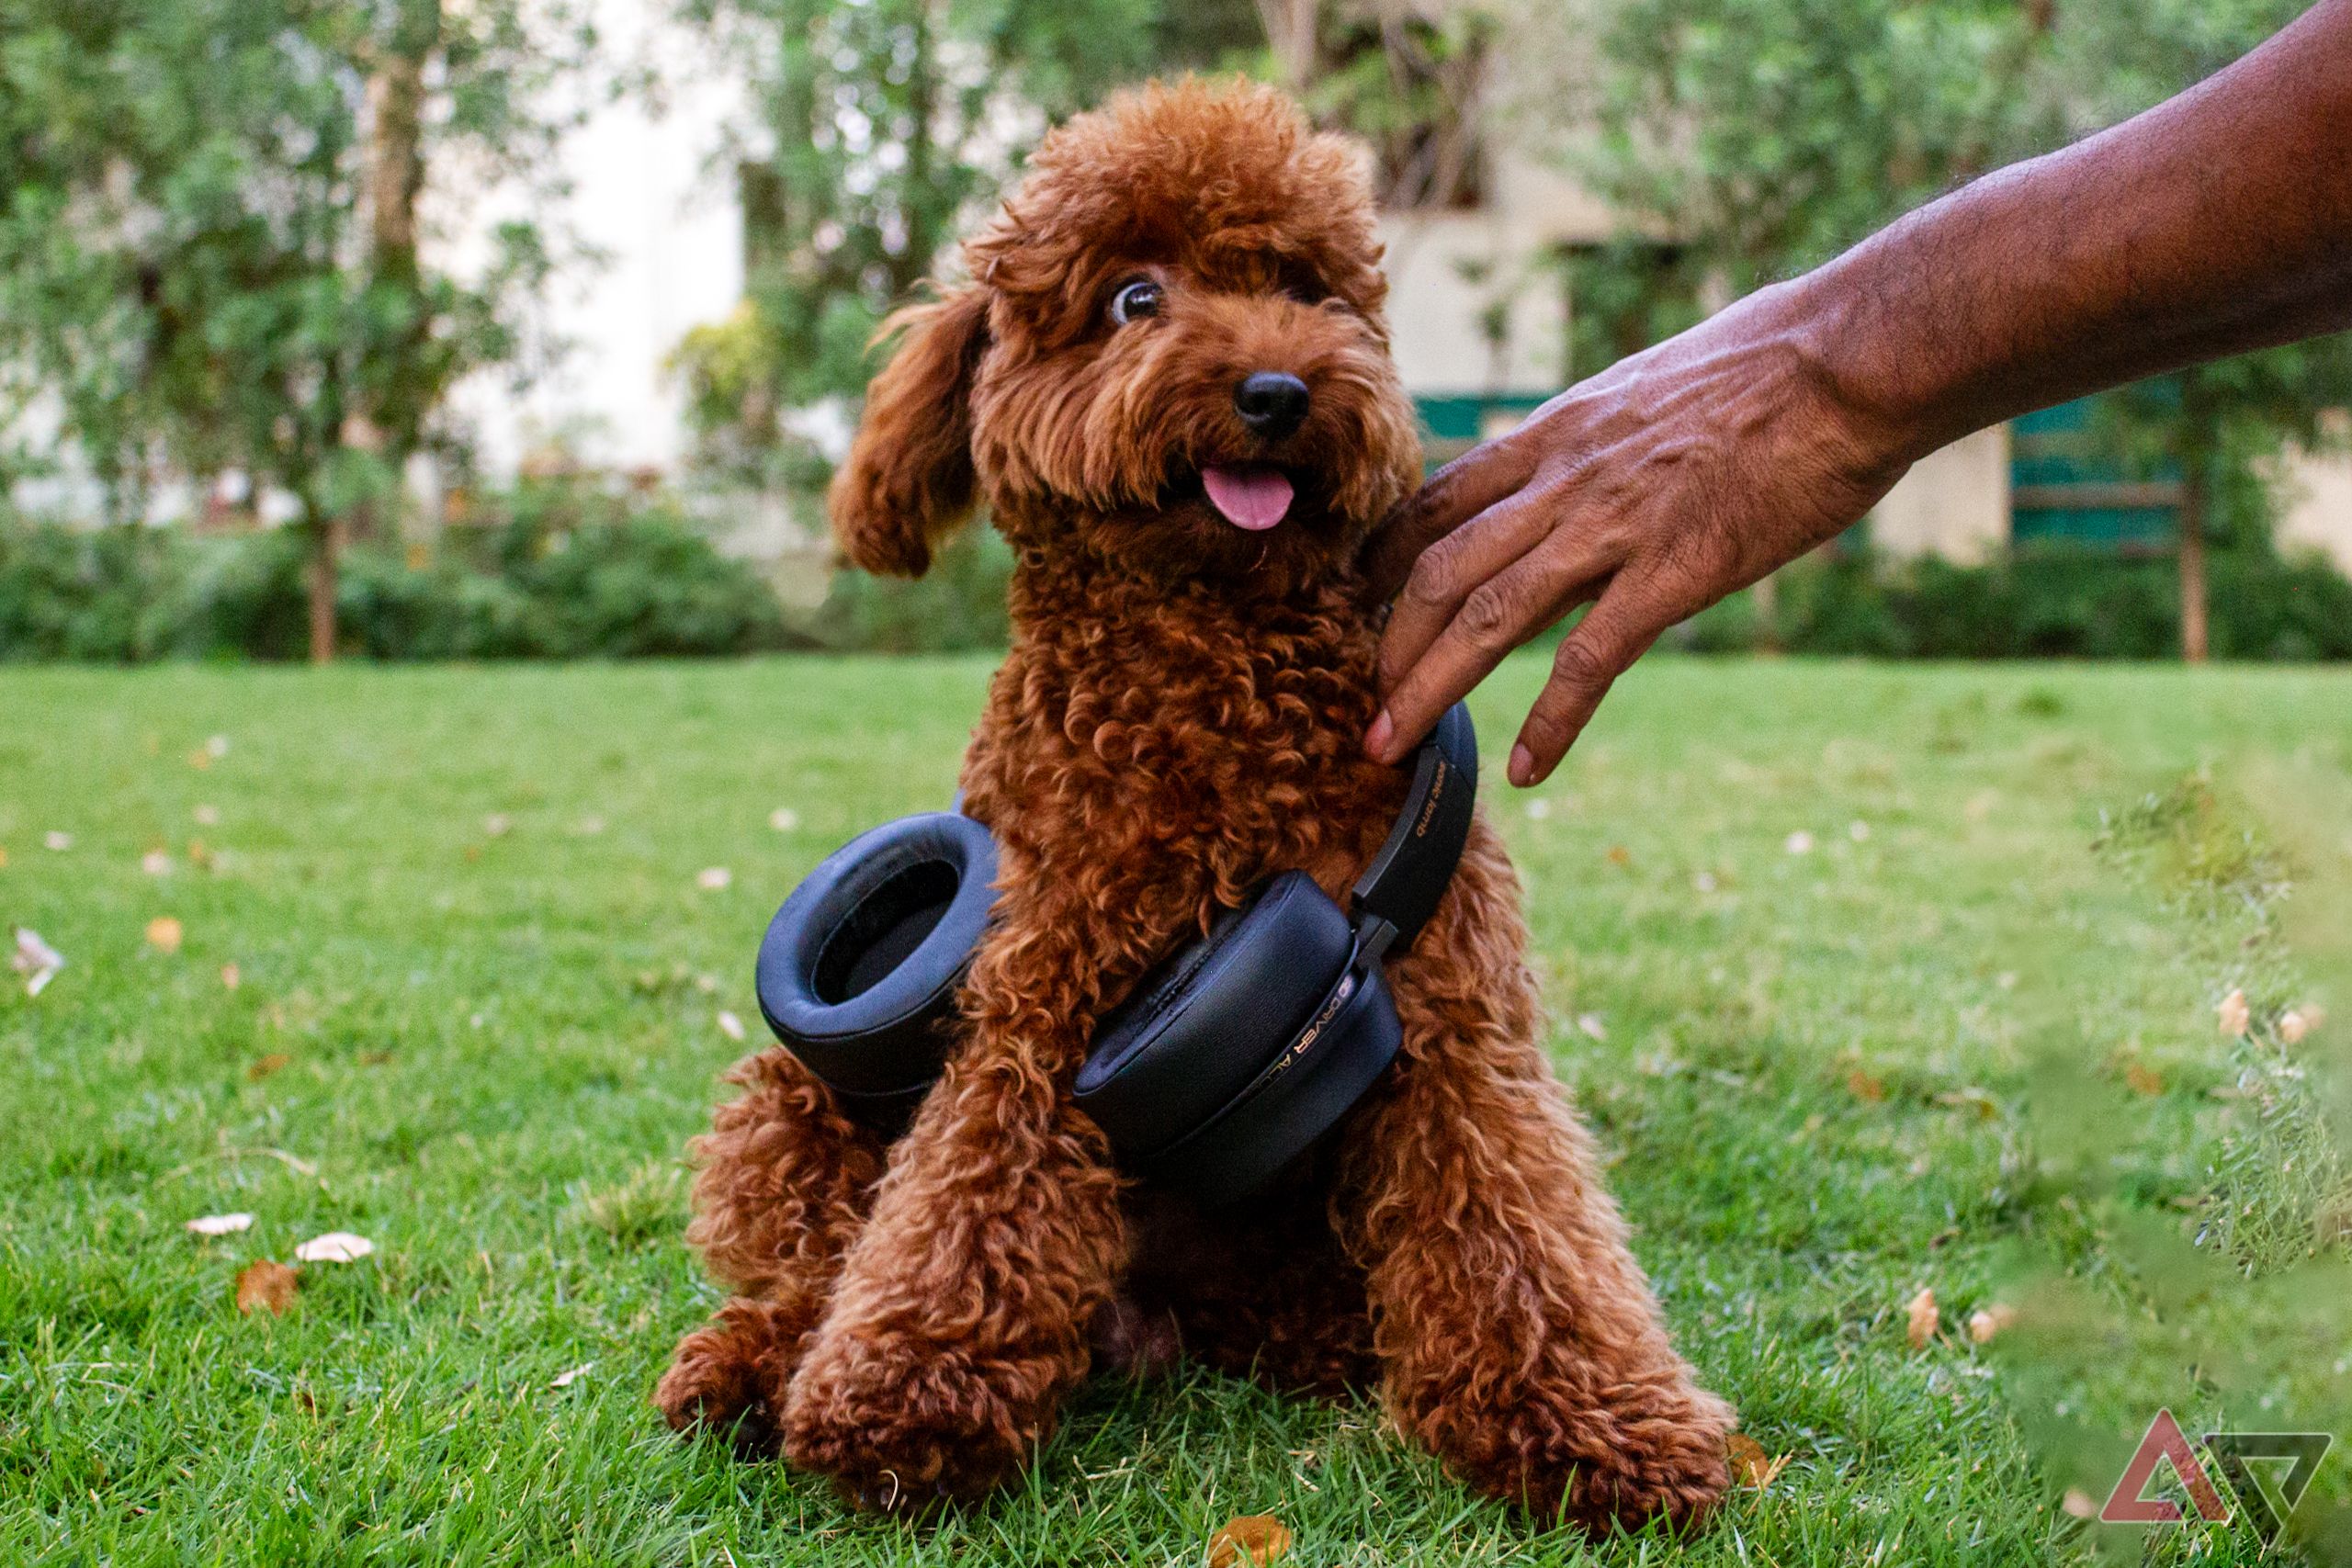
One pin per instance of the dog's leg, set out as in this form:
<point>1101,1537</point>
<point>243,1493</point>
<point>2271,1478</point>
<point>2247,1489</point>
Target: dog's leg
<point>1517,1336</point>
<point>785,1184</point>
<point>962,1316</point>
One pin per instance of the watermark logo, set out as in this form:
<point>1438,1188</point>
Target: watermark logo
<point>2233,1456</point>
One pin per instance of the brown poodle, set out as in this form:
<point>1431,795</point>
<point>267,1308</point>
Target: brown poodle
<point>1179,716</point>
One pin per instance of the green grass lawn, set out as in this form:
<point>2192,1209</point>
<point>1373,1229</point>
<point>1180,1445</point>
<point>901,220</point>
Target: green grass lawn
<point>1870,979</point>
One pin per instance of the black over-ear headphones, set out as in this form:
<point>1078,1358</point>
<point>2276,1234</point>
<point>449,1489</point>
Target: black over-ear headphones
<point>1224,1064</point>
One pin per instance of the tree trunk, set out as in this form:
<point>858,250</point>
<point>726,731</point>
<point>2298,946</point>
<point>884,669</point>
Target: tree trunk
<point>2192,562</point>
<point>322,578</point>
<point>394,154</point>
<point>1291,33</point>
<point>396,140</point>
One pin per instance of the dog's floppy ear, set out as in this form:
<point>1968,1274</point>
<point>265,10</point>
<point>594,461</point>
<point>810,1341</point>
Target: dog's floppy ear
<point>908,476</point>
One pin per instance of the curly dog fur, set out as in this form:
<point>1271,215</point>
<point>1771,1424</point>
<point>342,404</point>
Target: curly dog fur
<point>1179,717</point>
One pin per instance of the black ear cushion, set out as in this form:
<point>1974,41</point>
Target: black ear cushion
<point>1203,1025</point>
<point>1298,1095</point>
<point>865,957</point>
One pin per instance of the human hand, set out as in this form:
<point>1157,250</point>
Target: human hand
<point>1649,491</point>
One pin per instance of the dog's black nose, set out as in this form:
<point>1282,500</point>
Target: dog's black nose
<point>1271,402</point>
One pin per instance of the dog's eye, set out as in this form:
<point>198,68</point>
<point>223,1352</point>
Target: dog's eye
<point>1140,298</point>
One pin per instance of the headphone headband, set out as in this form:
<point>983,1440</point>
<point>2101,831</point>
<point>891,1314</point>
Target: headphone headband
<point>1406,878</point>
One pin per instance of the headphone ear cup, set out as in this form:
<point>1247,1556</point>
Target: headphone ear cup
<point>862,963</point>
<point>1199,1028</point>
<point>1301,1094</point>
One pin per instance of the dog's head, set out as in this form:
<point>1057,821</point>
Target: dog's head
<point>1171,355</point>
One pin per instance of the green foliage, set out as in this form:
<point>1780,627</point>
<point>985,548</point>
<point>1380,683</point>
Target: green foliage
<point>207,242</point>
<point>112,595</point>
<point>956,606</point>
<point>1768,135</point>
<point>877,126</point>
<point>1765,136</point>
<point>553,573</point>
<point>2044,602</point>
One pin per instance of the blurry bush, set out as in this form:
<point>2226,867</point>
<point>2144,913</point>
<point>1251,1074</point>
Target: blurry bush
<point>553,571</point>
<point>2044,603</point>
<point>560,570</point>
<point>956,606</point>
<point>114,596</point>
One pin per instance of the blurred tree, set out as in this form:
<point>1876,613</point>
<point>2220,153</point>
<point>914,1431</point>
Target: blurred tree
<point>2219,427</point>
<point>875,126</point>
<point>1761,137</point>
<point>208,246</point>
<point>1409,77</point>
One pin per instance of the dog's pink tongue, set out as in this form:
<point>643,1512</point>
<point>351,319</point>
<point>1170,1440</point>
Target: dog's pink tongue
<point>1252,498</point>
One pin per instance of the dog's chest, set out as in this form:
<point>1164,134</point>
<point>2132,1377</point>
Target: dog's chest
<point>1150,773</point>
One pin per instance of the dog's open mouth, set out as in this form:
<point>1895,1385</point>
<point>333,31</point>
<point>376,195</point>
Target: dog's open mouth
<point>1249,497</point>
<point>1254,496</point>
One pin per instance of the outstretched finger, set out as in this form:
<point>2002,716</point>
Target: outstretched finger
<point>1452,569</point>
<point>1454,494</point>
<point>1618,630</point>
<point>1498,617</point>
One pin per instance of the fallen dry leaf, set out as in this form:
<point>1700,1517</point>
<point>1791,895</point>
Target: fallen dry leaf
<point>199,759</point>
<point>199,855</point>
<point>335,1246</point>
<point>230,978</point>
<point>565,1379</point>
<point>266,1285</point>
<point>2233,1015</point>
<point>220,1224</point>
<point>2143,1078</point>
<point>1985,1322</point>
<point>1750,1465</point>
<point>2079,1502</point>
<point>1620,855</point>
<point>264,1066</point>
<point>1866,1086</point>
<point>1920,1318</point>
<point>712,878</point>
<point>784,819</point>
<point>164,934</point>
<point>1254,1539</point>
<point>35,959</point>
<point>1971,1099</point>
<point>4,857</point>
<point>729,1025</point>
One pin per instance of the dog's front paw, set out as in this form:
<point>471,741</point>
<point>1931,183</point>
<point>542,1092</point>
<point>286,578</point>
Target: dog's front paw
<point>902,1430</point>
<point>1613,1458</point>
<point>730,1375</point>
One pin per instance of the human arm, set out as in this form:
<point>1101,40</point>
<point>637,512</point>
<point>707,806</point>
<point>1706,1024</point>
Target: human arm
<point>2216,222</point>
